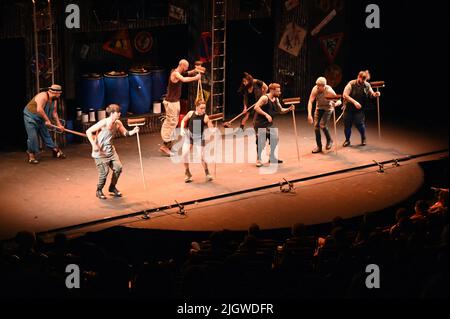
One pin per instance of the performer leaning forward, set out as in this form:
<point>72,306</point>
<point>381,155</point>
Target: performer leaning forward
<point>103,150</point>
<point>357,93</point>
<point>323,113</point>
<point>36,116</point>
<point>267,107</point>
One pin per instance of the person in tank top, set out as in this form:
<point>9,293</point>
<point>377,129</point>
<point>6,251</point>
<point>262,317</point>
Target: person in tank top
<point>177,77</point>
<point>195,122</point>
<point>267,107</point>
<point>251,90</point>
<point>101,136</point>
<point>324,111</point>
<point>356,93</point>
<point>36,115</point>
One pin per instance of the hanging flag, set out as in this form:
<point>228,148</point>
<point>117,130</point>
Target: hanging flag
<point>292,39</point>
<point>119,44</point>
<point>331,44</point>
<point>143,41</point>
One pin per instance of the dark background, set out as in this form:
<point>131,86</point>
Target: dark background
<point>409,52</point>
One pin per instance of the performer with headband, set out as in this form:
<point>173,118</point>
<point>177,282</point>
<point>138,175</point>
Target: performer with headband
<point>323,113</point>
<point>37,116</point>
<point>196,122</point>
<point>356,93</point>
<point>103,150</point>
<point>267,107</point>
<point>251,90</point>
<point>171,103</point>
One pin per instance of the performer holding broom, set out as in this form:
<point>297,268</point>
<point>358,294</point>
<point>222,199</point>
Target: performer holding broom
<point>36,116</point>
<point>267,107</point>
<point>251,90</point>
<point>323,113</point>
<point>103,150</point>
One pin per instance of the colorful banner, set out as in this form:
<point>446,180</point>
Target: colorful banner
<point>330,45</point>
<point>292,39</point>
<point>119,44</point>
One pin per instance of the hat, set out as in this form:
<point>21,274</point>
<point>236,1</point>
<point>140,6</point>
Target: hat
<point>55,88</point>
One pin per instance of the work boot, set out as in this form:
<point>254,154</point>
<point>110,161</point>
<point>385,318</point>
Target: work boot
<point>58,154</point>
<point>275,161</point>
<point>188,177</point>
<point>363,142</point>
<point>329,145</point>
<point>32,159</point>
<point>100,194</point>
<point>114,191</point>
<point>209,178</point>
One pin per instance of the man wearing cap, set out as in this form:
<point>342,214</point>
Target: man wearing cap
<point>171,103</point>
<point>356,93</point>
<point>37,116</point>
<point>323,113</point>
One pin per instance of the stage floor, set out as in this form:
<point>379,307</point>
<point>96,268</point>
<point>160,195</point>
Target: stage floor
<point>60,193</point>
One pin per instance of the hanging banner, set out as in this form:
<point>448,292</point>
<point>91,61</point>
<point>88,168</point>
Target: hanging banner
<point>143,42</point>
<point>330,45</point>
<point>324,22</point>
<point>119,44</point>
<point>292,39</point>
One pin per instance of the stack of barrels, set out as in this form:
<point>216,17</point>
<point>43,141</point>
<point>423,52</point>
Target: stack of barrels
<point>140,91</point>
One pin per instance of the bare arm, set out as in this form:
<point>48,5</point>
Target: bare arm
<point>208,122</point>
<point>186,118</point>
<point>372,93</point>
<point>262,101</point>
<point>40,102</point>
<point>312,98</point>
<point>347,92</point>
<point>284,110</point>
<point>184,79</point>
<point>124,131</point>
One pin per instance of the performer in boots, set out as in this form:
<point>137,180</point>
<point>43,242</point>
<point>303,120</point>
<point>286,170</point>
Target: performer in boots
<point>195,121</point>
<point>36,116</point>
<point>356,93</point>
<point>324,112</point>
<point>103,150</point>
<point>267,107</point>
<point>171,103</point>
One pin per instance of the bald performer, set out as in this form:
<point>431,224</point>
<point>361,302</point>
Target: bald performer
<point>171,103</point>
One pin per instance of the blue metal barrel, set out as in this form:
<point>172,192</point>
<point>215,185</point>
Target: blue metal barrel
<point>159,81</point>
<point>117,90</point>
<point>91,92</point>
<point>140,91</point>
